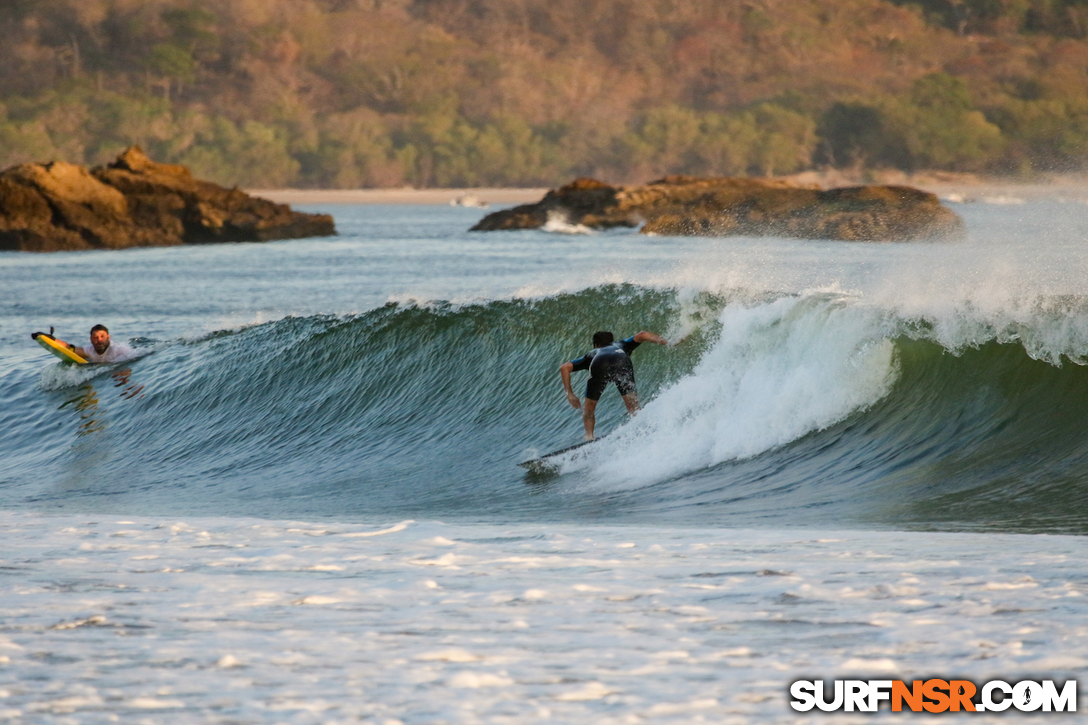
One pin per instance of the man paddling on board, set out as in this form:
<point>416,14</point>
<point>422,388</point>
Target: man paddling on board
<point>608,362</point>
<point>101,349</point>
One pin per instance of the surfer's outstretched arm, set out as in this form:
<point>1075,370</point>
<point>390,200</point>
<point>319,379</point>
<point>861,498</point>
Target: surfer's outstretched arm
<point>564,372</point>
<point>646,336</point>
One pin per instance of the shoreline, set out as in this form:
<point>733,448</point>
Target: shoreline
<point>400,196</point>
<point>957,187</point>
<point>950,187</point>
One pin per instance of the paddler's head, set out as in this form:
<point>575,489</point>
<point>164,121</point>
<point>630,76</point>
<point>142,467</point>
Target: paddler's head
<point>100,338</point>
<point>602,338</point>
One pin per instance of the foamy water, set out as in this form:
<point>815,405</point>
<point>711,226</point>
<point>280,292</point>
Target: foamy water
<point>228,620</point>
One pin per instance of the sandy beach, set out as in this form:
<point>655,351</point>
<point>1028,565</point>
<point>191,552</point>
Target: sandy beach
<point>958,187</point>
<point>467,197</point>
<point>948,186</point>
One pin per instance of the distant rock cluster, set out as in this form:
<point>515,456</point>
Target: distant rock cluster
<point>692,206</point>
<point>135,202</point>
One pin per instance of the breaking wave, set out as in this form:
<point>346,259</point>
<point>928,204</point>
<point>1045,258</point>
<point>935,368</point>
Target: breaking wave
<point>801,409</point>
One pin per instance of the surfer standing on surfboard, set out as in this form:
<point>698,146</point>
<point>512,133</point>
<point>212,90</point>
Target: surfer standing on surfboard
<point>101,349</point>
<point>608,362</point>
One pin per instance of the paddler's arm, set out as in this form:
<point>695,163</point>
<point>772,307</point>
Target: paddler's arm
<point>564,372</point>
<point>645,336</point>
<point>73,348</point>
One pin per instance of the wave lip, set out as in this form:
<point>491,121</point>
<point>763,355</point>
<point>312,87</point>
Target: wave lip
<point>822,408</point>
<point>777,372</point>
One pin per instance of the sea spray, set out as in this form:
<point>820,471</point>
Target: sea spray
<point>777,372</point>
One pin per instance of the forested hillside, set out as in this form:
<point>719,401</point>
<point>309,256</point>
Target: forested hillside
<point>363,93</point>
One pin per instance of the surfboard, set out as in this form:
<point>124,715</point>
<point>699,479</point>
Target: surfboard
<point>50,343</point>
<point>544,464</point>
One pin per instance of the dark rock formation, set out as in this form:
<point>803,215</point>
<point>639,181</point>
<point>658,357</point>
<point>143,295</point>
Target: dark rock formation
<point>583,201</point>
<point>135,202</point>
<point>681,205</point>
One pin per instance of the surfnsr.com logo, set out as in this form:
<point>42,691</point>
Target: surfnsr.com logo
<point>934,696</point>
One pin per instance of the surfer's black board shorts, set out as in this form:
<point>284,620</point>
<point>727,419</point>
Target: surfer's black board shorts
<point>606,365</point>
<point>610,367</point>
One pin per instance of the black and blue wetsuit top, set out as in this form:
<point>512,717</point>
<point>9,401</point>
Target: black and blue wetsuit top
<point>610,364</point>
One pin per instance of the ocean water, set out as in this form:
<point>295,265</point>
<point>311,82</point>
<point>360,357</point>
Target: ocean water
<point>301,502</point>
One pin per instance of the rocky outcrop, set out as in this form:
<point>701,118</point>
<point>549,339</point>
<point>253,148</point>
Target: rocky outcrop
<point>583,201</point>
<point>687,206</point>
<point>135,202</point>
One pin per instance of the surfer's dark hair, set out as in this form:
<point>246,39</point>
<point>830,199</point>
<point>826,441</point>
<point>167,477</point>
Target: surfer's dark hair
<point>96,328</point>
<point>602,338</point>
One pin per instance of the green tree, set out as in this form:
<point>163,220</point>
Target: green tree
<point>21,143</point>
<point>663,141</point>
<point>246,154</point>
<point>1046,134</point>
<point>946,131</point>
<point>785,140</point>
<point>725,144</point>
<point>353,149</point>
<point>173,63</point>
<point>856,134</point>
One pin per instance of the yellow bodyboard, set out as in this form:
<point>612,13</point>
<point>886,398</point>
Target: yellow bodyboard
<point>49,343</point>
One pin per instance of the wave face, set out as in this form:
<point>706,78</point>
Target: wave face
<point>806,409</point>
